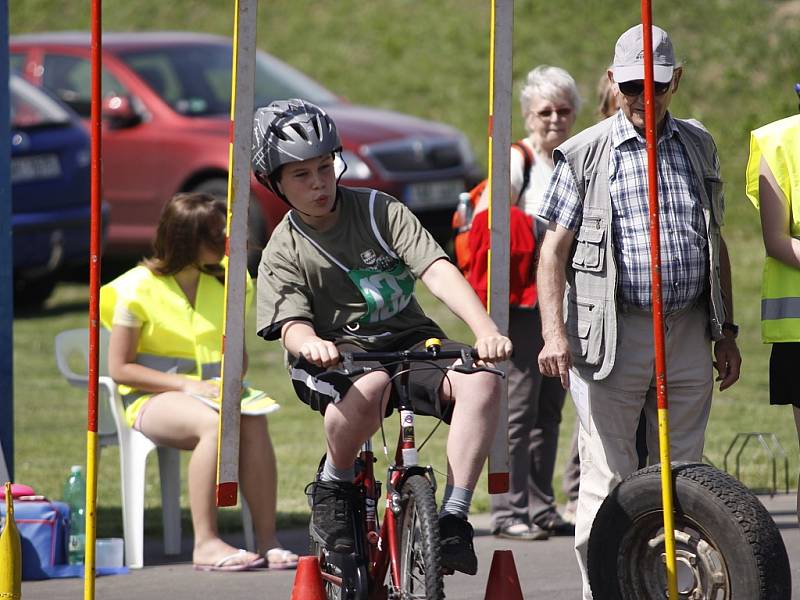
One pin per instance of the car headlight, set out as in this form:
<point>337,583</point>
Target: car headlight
<point>356,168</point>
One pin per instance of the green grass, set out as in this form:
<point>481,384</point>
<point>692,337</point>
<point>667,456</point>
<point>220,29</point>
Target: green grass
<point>430,59</point>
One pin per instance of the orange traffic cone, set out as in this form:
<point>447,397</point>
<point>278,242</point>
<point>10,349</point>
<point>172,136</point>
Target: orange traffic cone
<point>503,582</point>
<point>308,580</point>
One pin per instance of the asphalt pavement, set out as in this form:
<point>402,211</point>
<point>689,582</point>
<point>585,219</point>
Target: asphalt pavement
<point>546,569</point>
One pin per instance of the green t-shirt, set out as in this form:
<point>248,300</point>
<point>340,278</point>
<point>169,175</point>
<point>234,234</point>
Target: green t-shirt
<point>311,275</point>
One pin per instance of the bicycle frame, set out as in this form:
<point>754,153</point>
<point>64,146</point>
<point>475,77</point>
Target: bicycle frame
<point>378,543</point>
<point>383,545</point>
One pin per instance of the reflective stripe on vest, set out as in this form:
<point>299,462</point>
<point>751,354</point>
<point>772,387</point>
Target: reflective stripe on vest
<point>778,144</point>
<point>167,364</point>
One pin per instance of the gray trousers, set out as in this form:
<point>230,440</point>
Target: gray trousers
<point>534,416</point>
<point>608,448</point>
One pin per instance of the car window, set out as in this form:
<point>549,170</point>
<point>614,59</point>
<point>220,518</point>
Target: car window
<point>70,78</point>
<point>31,107</point>
<point>195,80</point>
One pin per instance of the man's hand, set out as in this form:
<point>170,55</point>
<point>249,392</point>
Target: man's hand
<point>320,352</point>
<point>493,348</point>
<point>728,362</point>
<point>555,359</point>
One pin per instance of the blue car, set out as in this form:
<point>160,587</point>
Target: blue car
<point>50,192</point>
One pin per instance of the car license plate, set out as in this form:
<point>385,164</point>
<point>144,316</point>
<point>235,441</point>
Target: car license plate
<point>431,195</point>
<point>32,168</point>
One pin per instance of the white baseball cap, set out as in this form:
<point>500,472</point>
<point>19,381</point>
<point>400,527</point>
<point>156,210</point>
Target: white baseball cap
<point>629,56</point>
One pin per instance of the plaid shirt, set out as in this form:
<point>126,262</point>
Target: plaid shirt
<point>684,245</point>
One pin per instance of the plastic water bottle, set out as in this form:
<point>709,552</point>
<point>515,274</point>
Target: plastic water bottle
<point>75,497</point>
<point>464,213</point>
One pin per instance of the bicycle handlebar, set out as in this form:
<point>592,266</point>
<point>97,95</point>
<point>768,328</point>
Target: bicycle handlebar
<point>467,356</point>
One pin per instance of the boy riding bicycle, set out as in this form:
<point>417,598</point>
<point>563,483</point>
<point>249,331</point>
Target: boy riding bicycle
<point>338,274</point>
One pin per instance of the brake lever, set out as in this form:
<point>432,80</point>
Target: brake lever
<point>348,368</point>
<point>473,369</point>
<point>468,365</point>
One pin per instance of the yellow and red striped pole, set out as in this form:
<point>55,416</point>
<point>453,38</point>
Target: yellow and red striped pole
<point>241,131</point>
<point>94,303</point>
<point>499,190</point>
<point>658,311</point>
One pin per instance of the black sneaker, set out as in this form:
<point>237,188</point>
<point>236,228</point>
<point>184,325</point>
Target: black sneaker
<point>458,553</point>
<point>554,524</point>
<point>332,506</point>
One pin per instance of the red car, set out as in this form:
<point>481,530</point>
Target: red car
<point>166,126</point>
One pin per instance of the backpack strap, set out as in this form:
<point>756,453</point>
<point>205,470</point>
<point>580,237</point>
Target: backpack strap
<point>527,156</point>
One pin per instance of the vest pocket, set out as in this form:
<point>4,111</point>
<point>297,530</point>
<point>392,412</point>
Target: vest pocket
<point>585,330</point>
<point>589,249</point>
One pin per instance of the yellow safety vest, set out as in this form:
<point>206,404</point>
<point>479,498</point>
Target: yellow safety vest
<point>779,144</point>
<point>175,337</point>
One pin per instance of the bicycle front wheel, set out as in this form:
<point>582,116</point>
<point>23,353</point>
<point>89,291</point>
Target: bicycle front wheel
<point>420,552</point>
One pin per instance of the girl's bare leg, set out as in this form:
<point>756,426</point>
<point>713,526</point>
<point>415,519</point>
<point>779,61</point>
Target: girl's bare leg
<point>177,420</point>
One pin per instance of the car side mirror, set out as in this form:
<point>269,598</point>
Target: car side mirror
<point>118,112</point>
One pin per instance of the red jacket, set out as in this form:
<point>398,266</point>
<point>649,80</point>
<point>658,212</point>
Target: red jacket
<point>522,278</point>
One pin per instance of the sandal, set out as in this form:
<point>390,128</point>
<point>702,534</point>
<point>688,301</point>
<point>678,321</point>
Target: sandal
<point>280,558</point>
<point>222,563</point>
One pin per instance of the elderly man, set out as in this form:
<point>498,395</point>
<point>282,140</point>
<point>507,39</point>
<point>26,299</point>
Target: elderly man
<point>597,251</point>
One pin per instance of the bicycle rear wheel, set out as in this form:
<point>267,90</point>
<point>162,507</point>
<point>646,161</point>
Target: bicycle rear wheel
<point>420,552</point>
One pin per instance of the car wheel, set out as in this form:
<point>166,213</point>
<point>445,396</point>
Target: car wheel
<point>32,293</point>
<point>256,229</point>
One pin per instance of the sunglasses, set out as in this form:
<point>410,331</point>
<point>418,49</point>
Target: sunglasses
<point>635,88</point>
<point>561,112</point>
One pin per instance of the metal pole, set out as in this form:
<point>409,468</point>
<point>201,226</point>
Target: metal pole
<point>242,98</point>
<point>6,267</point>
<point>501,33</point>
<point>658,311</point>
<point>94,303</point>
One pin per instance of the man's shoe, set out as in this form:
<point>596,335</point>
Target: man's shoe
<point>458,553</point>
<point>521,531</point>
<point>332,506</point>
<point>554,524</point>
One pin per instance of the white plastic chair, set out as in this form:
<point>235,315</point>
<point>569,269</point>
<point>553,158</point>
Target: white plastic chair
<point>134,447</point>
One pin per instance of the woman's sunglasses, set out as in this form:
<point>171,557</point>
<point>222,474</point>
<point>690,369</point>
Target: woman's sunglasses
<point>635,88</point>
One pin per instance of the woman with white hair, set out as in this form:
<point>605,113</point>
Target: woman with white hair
<point>550,102</point>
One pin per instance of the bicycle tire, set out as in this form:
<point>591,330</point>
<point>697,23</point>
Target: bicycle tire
<point>727,545</point>
<point>420,551</point>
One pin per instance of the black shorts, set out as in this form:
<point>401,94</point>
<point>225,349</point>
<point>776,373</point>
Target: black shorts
<point>784,387</point>
<point>425,381</point>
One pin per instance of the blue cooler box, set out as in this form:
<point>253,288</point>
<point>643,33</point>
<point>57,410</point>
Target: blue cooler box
<point>43,527</point>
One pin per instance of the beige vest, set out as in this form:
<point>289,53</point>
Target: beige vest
<point>590,302</point>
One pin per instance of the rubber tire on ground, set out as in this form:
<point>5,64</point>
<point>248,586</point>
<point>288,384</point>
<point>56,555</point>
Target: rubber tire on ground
<point>743,543</point>
<point>420,551</point>
<point>256,228</point>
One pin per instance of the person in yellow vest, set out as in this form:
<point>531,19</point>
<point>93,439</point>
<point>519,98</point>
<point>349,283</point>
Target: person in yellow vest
<point>165,351</point>
<point>773,185</point>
